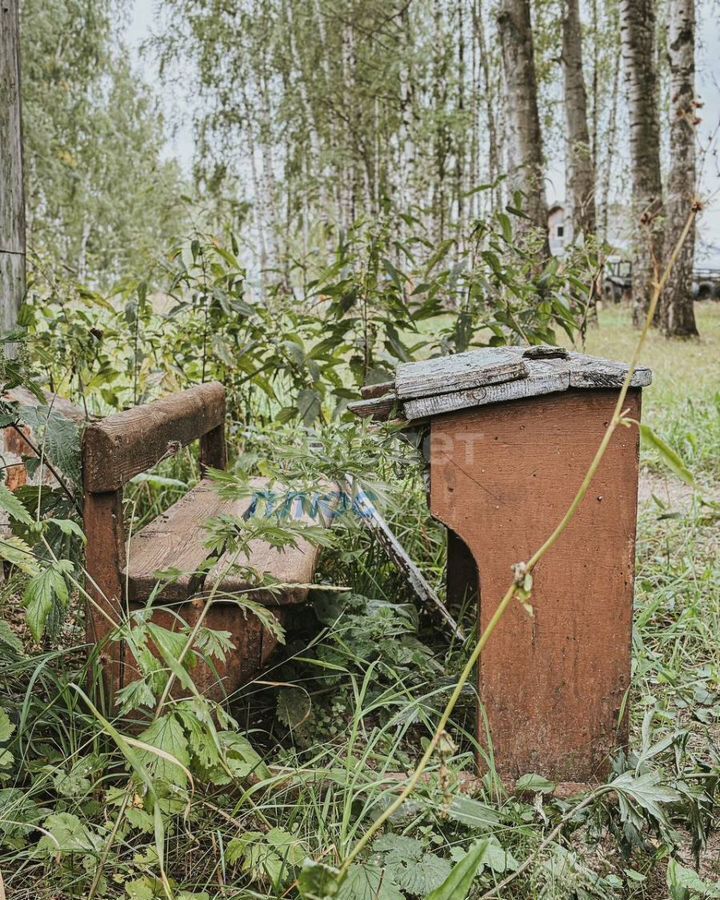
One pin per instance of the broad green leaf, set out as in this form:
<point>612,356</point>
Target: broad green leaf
<point>534,784</point>
<point>319,881</point>
<point>671,459</point>
<point>457,885</point>
<point>9,639</point>
<point>646,791</point>
<point>46,595</point>
<point>6,731</point>
<point>166,735</point>
<point>69,835</point>
<point>472,813</point>
<point>67,526</point>
<point>309,404</point>
<point>686,884</point>
<point>366,881</point>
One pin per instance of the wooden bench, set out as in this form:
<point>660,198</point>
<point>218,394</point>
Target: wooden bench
<point>122,570</point>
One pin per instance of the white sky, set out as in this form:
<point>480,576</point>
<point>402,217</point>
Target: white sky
<point>143,14</point>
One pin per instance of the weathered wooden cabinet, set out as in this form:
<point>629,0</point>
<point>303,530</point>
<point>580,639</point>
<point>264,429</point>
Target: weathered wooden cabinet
<point>511,434</point>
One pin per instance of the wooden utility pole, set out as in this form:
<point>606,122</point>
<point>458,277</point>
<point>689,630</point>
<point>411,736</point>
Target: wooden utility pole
<point>12,198</point>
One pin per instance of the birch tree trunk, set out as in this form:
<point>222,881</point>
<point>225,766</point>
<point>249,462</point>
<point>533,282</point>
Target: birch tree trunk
<point>12,198</point>
<point>526,169</point>
<point>639,58</point>
<point>677,312</point>
<point>579,164</point>
<point>488,90</point>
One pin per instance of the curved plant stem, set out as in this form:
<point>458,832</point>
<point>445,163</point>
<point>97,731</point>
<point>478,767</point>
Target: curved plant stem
<point>523,569</point>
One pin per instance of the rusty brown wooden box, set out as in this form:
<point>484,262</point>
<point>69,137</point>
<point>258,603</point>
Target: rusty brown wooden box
<point>512,433</point>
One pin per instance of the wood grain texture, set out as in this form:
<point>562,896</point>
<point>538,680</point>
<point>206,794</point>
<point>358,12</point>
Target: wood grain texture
<point>379,408</point>
<point>103,522</point>
<point>439,386</point>
<point>458,372</point>
<point>547,382</point>
<point>176,540</point>
<point>12,198</point>
<point>502,477</point>
<point>253,646</point>
<point>123,445</point>
<point>294,566</point>
<point>213,450</point>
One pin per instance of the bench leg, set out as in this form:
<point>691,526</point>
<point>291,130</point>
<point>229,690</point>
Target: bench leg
<point>105,558</point>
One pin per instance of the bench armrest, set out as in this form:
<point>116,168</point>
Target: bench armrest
<point>127,443</point>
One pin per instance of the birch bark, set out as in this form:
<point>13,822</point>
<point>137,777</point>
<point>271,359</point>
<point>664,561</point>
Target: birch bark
<point>677,313</point>
<point>579,164</point>
<point>641,78</point>
<point>526,169</point>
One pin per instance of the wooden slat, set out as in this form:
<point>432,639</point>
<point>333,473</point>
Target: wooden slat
<point>123,445</point>
<point>380,408</point>
<point>460,372</point>
<point>589,372</point>
<point>548,381</point>
<point>175,540</point>
<point>370,391</point>
<point>291,565</point>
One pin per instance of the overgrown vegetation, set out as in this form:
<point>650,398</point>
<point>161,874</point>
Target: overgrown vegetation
<point>191,798</point>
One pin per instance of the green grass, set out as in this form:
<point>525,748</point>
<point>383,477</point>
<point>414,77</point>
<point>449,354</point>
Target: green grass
<point>683,403</point>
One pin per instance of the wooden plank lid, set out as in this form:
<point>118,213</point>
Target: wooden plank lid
<point>493,375</point>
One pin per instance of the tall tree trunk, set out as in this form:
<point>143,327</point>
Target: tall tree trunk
<point>489,93</point>
<point>611,140</point>
<point>526,171</point>
<point>678,314</point>
<point>12,198</point>
<point>638,49</point>
<point>579,164</point>
<point>406,148</point>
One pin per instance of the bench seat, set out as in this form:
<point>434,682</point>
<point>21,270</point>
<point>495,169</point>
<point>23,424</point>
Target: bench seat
<point>176,541</point>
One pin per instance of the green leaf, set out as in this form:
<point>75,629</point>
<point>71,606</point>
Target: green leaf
<point>686,884</point>
<point>319,881</point>
<point>69,835</point>
<point>366,881</point>
<point>534,784</point>
<point>457,885</point>
<point>9,639</point>
<point>671,459</point>
<point>46,595</point>
<point>410,866</point>
<point>166,734</point>
<point>16,551</point>
<point>472,813</point>
<point>13,507</point>
<point>6,731</point>
<point>68,527</point>
<point>647,792</point>
<point>309,404</point>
